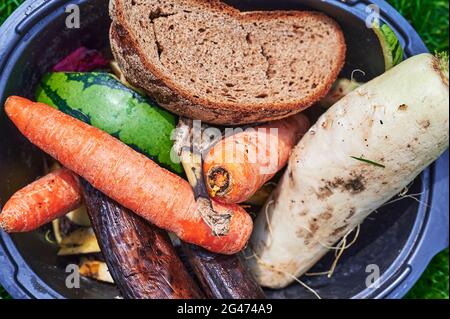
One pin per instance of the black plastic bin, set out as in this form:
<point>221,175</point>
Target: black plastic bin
<point>401,238</point>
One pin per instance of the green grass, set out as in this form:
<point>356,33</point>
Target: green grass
<point>431,20</point>
<point>434,281</point>
<point>7,7</point>
<point>3,294</point>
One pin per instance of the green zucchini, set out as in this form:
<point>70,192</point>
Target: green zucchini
<point>101,100</point>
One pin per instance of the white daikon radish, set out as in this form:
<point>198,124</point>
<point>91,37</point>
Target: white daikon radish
<point>363,151</point>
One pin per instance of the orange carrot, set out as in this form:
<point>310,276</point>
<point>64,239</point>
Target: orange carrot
<point>239,165</point>
<point>126,176</point>
<point>42,201</point>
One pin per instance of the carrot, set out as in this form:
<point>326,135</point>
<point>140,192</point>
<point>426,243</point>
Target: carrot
<point>126,176</point>
<point>239,165</point>
<point>42,201</point>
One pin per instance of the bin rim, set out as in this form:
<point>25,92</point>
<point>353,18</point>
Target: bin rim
<point>430,234</point>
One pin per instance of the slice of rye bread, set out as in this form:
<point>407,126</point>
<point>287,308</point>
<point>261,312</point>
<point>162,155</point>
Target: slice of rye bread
<point>206,60</point>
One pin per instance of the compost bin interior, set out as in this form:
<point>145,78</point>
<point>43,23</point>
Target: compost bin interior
<point>381,238</point>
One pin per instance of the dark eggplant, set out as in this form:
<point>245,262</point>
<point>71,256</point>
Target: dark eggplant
<point>140,257</point>
<point>222,276</point>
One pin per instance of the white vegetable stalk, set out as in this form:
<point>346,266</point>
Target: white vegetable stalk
<point>363,151</point>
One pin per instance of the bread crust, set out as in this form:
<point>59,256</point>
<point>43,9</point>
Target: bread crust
<point>142,73</point>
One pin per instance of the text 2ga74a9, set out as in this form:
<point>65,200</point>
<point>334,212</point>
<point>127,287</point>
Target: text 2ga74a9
<point>246,308</point>
<point>226,309</point>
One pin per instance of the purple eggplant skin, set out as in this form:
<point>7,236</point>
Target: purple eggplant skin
<point>222,276</point>
<point>140,256</point>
